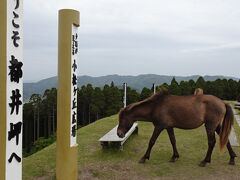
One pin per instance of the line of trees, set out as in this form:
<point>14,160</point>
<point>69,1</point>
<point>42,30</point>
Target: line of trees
<point>222,88</point>
<point>39,120</point>
<point>40,113</point>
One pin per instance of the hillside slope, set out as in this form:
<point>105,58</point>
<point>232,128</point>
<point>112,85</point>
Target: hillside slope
<point>95,163</point>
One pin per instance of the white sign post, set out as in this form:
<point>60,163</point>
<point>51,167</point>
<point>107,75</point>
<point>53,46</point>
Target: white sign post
<point>124,94</point>
<point>12,81</point>
<point>73,115</point>
<point>154,88</point>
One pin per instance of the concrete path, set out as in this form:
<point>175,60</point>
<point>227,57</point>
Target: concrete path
<point>232,137</point>
<point>237,118</point>
<point>236,115</point>
<point>234,110</point>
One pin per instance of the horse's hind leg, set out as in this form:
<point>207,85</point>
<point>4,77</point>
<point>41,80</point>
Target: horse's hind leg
<point>171,135</point>
<point>230,150</point>
<point>211,144</point>
<point>156,132</point>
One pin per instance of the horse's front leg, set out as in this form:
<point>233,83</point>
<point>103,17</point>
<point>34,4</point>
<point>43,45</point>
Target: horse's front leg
<point>156,132</point>
<point>171,135</point>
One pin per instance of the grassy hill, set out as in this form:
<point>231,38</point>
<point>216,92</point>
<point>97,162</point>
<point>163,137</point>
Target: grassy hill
<point>95,163</point>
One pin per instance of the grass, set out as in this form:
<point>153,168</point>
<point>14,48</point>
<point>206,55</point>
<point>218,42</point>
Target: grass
<point>95,163</point>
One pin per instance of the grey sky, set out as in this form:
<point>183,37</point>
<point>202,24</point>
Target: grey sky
<point>131,37</point>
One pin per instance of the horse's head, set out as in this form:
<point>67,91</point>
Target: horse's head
<point>124,124</point>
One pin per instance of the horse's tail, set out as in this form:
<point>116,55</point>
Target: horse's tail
<point>226,126</point>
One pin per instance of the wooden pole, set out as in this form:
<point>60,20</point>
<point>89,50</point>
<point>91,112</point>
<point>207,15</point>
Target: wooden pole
<point>3,89</point>
<point>67,148</point>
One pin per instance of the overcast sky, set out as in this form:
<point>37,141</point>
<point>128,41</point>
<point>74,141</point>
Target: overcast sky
<point>131,37</point>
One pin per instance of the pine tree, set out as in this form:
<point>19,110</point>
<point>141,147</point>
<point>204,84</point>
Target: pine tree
<point>174,87</point>
<point>145,93</point>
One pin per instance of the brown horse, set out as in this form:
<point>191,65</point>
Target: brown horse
<point>167,111</point>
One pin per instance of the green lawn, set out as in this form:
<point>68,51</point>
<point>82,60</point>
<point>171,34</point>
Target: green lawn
<point>95,163</point>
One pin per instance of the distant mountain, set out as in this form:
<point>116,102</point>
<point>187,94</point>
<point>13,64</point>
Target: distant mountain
<point>136,82</point>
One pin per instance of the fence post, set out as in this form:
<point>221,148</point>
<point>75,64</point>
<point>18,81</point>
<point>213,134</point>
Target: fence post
<point>124,95</point>
<point>11,89</point>
<point>154,88</point>
<point>67,148</point>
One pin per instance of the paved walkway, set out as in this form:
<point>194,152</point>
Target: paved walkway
<point>237,118</point>
<point>234,110</point>
<point>232,137</point>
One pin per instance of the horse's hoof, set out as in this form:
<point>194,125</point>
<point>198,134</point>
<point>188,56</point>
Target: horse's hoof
<point>142,161</point>
<point>173,159</point>
<point>231,162</point>
<point>202,164</point>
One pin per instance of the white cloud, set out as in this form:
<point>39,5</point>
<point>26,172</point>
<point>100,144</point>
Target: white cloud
<point>221,47</point>
<point>133,31</point>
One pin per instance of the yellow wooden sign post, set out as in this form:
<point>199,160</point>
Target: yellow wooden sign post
<point>67,148</point>
<point>3,93</point>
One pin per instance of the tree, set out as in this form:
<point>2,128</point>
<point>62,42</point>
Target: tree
<point>209,88</point>
<point>200,83</point>
<point>27,126</point>
<point>132,96</point>
<point>145,93</point>
<point>164,86</point>
<point>98,103</point>
<point>219,89</point>
<point>233,89</point>
<point>238,91</point>
<point>49,103</point>
<point>113,99</point>
<point>192,84</point>
<point>88,92</point>
<point>185,88</point>
<point>36,100</point>
<point>174,87</point>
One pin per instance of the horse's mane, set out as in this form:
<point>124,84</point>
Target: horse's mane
<point>155,97</point>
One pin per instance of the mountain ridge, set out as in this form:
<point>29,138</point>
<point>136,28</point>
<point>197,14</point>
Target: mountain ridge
<point>135,82</point>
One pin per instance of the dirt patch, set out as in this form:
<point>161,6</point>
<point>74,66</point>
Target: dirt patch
<point>43,178</point>
<point>87,174</point>
<point>118,171</point>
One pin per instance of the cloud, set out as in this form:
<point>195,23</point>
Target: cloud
<point>222,47</point>
<point>151,36</point>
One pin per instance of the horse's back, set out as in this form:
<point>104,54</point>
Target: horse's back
<point>215,108</point>
<point>189,112</point>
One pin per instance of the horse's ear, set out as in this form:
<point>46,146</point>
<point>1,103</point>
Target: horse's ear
<point>120,111</point>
